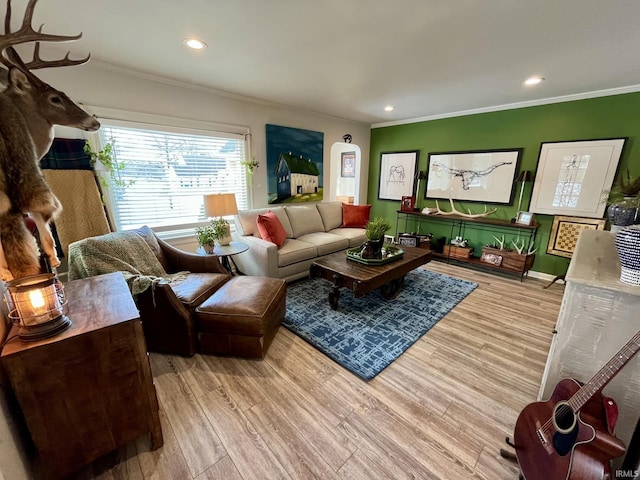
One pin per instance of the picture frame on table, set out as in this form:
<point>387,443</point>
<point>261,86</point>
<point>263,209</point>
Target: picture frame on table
<point>485,176</point>
<point>398,174</point>
<point>409,240</point>
<point>408,204</point>
<point>524,218</point>
<point>348,166</point>
<point>573,178</point>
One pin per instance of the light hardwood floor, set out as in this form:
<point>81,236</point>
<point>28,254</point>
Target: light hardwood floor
<point>440,411</point>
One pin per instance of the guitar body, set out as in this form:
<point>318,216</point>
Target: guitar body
<point>573,447</point>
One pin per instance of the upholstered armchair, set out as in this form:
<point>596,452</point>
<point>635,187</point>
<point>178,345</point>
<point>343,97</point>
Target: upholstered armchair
<point>188,303</point>
<point>167,308</point>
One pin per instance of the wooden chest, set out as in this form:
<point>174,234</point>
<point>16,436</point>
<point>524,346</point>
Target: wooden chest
<point>511,259</point>
<point>454,251</point>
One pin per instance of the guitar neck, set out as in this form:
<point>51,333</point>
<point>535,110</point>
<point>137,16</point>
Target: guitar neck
<point>606,373</point>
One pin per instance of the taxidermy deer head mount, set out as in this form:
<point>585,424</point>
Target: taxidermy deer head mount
<point>29,108</point>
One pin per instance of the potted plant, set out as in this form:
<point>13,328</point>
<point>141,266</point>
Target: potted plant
<point>217,231</point>
<point>206,239</point>
<point>375,230</point>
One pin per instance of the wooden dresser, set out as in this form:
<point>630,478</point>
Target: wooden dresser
<point>599,314</point>
<point>88,390</point>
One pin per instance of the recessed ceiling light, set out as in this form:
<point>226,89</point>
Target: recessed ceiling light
<point>194,43</point>
<point>389,108</point>
<point>535,80</point>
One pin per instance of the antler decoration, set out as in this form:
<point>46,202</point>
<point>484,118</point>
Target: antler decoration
<point>26,34</point>
<point>461,214</point>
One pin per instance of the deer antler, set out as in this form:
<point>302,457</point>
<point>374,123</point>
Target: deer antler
<point>26,34</point>
<point>468,215</point>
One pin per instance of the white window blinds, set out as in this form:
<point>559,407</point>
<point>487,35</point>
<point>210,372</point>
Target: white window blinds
<point>166,174</point>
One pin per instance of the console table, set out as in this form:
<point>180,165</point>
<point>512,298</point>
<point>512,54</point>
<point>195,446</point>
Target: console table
<point>88,390</point>
<point>598,315</point>
<point>458,226</point>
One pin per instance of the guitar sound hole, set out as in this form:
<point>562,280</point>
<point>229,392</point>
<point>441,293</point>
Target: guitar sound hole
<point>563,417</point>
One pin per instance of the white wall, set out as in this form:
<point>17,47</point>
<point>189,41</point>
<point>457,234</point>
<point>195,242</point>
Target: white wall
<point>95,84</point>
<point>98,85</point>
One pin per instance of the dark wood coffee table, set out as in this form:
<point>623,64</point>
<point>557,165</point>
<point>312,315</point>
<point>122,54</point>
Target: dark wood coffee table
<point>362,279</point>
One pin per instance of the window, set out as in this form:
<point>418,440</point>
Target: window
<point>166,173</point>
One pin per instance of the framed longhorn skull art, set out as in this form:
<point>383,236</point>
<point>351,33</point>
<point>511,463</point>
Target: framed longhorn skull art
<point>474,176</point>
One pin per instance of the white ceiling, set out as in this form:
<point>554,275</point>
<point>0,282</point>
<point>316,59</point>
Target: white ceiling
<point>351,58</point>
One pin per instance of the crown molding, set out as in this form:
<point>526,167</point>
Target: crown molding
<point>513,106</point>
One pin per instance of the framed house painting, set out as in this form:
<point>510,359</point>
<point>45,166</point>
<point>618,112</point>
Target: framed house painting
<point>398,172</point>
<point>476,176</point>
<point>574,178</point>
<point>294,164</point>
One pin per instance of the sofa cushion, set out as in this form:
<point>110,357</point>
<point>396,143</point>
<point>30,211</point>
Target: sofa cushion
<point>355,215</point>
<point>294,251</point>
<point>247,221</point>
<point>304,219</point>
<point>325,242</point>
<point>271,228</point>
<point>331,213</point>
<point>355,236</point>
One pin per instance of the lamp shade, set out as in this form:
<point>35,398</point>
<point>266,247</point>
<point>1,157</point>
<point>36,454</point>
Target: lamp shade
<point>220,204</point>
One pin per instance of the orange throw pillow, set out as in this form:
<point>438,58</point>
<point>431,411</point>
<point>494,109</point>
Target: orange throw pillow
<point>355,215</point>
<point>271,229</point>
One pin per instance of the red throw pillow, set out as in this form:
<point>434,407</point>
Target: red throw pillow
<point>355,215</point>
<point>271,229</point>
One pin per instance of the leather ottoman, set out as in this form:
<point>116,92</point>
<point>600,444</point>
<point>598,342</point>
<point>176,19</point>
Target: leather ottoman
<point>242,317</point>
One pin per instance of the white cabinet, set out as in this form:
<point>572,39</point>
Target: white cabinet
<point>598,316</point>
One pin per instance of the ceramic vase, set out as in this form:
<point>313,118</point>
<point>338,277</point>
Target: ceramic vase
<point>628,247</point>
<point>621,216</point>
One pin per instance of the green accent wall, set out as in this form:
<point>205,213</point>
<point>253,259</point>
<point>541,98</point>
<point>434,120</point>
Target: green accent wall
<point>614,116</point>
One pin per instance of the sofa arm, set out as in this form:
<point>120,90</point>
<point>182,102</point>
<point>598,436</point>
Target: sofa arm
<point>179,260</point>
<point>261,260</point>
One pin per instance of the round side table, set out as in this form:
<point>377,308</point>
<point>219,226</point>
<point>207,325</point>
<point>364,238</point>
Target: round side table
<point>225,253</point>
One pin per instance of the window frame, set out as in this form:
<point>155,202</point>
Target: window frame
<point>171,125</point>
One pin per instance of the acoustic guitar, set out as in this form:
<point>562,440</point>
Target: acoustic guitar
<point>568,436</point>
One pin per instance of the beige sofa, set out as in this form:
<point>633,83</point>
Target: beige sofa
<point>313,230</point>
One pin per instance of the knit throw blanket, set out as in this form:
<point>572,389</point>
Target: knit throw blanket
<point>124,252</point>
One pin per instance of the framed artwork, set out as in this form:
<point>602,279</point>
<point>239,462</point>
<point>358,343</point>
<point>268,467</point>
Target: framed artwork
<point>294,164</point>
<point>574,178</point>
<point>407,204</point>
<point>398,171</point>
<point>475,176</point>
<point>565,231</point>
<point>348,169</point>
<point>524,218</point>
<point>409,240</point>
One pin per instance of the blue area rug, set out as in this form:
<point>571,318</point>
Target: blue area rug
<point>366,334</point>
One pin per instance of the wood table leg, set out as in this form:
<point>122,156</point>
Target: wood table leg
<point>334,298</point>
<point>392,289</point>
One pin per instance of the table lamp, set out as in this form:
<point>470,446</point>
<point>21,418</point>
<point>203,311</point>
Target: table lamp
<point>221,205</point>
<point>37,304</point>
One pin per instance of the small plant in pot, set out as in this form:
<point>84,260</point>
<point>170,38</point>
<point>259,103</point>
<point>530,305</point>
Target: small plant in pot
<point>216,231</point>
<point>375,230</point>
